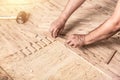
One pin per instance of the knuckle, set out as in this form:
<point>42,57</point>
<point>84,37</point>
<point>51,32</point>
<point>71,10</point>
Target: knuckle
<point>72,36</point>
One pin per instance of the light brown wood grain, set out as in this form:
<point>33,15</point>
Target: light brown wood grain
<point>25,57</point>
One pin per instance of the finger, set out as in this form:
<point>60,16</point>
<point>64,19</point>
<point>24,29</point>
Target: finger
<point>75,46</point>
<point>72,36</point>
<point>58,32</point>
<point>71,44</point>
<point>68,41</point>
<point>51,32</point>
<point>61,30</point>
<point>55,33</point>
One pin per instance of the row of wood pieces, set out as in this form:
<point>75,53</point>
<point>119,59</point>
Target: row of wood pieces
<point>32,48</point>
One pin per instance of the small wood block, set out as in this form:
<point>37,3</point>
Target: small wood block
<point>32,46</point>
<point>43,44</point>
<point>38,44</point>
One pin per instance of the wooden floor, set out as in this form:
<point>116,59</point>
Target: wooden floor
<point>27,52</point>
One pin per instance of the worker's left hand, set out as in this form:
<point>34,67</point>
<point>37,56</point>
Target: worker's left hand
<point>76,40</point>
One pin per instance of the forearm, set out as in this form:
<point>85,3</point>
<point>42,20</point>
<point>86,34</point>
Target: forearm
<point>71,6</point>
<point>104,31</point>
<point>107,29</point>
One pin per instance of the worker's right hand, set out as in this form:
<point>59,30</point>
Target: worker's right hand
<point>76,40</point>
<point>56,27</point>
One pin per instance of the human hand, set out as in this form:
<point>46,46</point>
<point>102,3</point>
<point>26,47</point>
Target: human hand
<point>56,27</point>
<point>76,40</point>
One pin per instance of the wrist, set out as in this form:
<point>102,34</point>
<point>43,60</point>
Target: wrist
<point>82,39</point>
<point>63,17</point>
<point>86,39</point>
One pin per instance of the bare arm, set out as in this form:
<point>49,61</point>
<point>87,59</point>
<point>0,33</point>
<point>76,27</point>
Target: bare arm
<point>107,29</point>
<point>58,25</point>
<point>71,6</point>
